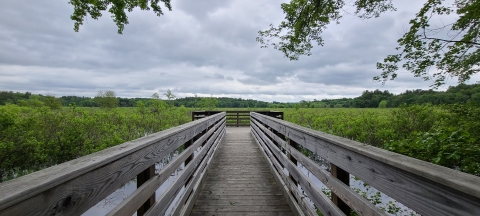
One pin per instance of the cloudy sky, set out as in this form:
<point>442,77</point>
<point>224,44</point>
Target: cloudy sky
<point>203,47</point>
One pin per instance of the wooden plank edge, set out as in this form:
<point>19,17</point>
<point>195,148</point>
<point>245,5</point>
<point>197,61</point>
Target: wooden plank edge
<point>344,192</point>
<point>286,192</point>
<point>423,195</point>
<point>315,194</point>
<point>353,199</point>
<point>302,202</point>
<point>130,205</point>
<point>164,201</point>
<point>187,208</point>
<point>25,187</point>
<point>468,183</point>
<point>80,194</point>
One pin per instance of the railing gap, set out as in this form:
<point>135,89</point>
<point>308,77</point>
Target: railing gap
<point>141,179</point>
<point>344,177</point>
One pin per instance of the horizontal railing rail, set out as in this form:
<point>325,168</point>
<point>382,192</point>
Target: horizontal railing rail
<point>426,188</point>
<point>74,187</point>
<point>236,118</point>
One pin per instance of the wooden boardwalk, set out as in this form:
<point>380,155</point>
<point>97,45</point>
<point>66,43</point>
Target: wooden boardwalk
<point>239,181</point>
<point>230,175</point>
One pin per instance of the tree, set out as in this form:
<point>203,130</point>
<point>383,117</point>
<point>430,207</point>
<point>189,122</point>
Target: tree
<point>106,99</point>
<point>421,48</point>
<point>155,96</point>
<point>382,104</point>
<point>208,103</point>
<point>157,105</point>
<point>116,7</point>
<point>170,96</point>
<point>52,102</point>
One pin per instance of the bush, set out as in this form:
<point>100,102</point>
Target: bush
<point>446,135</point>
<point>36,138</point>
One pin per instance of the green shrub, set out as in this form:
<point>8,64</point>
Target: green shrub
<point>35,138</point>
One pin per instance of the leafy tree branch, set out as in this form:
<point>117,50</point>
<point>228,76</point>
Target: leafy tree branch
<point>455,55</point>
<point>117,8</point>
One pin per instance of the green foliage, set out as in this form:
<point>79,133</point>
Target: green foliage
<point>461,94</point>
<point>305,21</point>
<point>116,7</point>
<point>369,126</point>
<point>208,103</point>
<point>158,106</point>
<point>222,102</point>
<point>448,135</point>
<point>52,102</point>
<point>451,141</point>
<point>169,95</point>
<point>106,99</point>
<point>450,147</point>
<point>411,119</point>
<point>455,54</point>
<point>32,102</point>
<point>383,104</point>
<point>36,138</point>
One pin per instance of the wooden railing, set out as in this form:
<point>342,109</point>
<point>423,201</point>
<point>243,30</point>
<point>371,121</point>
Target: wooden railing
<point>240,118</point>
<point>236,118</point>
<point>426,188</point>
<point>74,187</point>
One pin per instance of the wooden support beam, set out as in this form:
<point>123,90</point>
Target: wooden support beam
<point>293,159</point>
<point>142,178</point>
<point>344,177</point>
<point>426,188</point>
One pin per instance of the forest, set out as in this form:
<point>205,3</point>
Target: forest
<point>368,99</point>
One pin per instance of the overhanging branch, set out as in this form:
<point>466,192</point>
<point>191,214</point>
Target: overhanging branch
<point>451,41</point>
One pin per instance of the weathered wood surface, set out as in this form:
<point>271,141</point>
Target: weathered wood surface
<point>294,198</point>
<point>237,125</point>
<point>348,195</point>
<point>132,202</point>
<point>200,161</point>
<point>238,118</point>
<point>424,187</point>
<point>321,201</point>
<point>239,181</point>
<point>73,187</point>
<point>185,204</point>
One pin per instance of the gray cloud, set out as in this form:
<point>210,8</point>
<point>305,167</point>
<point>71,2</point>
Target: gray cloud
<point>201,47</point>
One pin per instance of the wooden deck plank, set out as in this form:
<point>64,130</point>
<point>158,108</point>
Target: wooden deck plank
<point>239,182</point>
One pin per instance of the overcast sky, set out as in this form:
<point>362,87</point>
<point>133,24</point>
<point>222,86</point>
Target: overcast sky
<point>203,47</point>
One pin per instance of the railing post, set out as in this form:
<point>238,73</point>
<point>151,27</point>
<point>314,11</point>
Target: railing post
<point>344,177</point>
<point>294,161</point>
<point>237,118</point>
<point>188,144</point>
<point>142,178</point>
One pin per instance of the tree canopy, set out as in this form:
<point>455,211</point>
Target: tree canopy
<point>106,99</point>
<point>423,47</point>
<point>117,8</point>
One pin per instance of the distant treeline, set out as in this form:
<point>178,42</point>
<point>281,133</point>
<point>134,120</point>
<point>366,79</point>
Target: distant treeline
<point>369,99</point>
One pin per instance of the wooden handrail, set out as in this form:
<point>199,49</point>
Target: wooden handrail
<point>73,187</point>
<point>235,118</point>
<point>424,187</point>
